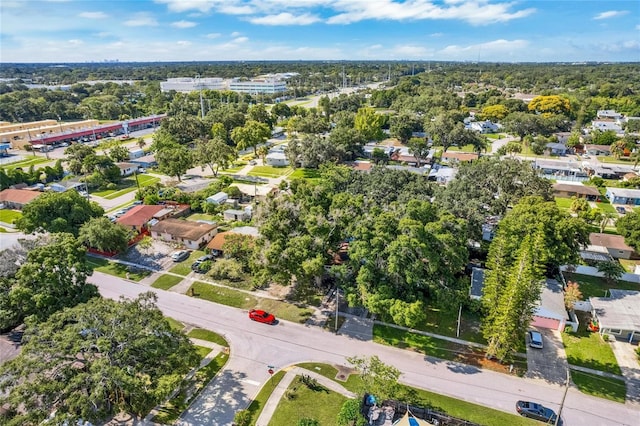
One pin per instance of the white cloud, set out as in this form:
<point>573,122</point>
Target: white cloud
<point>75,42</point>
<point>236,10</point>
<point>93,15</point>
<point>183,24</point>
<point>485,50</point>
<point>213,35</point>
<point>436,34</point>
<point>141,20</point>
<point>409,51</point>
<point>184,5</point>
<point>103,34</point>
<point>610,14</point>
<point>183,43</point>
<point>285,18</point>
<point>638,27</point>
<point>240,40</point>
<point>235,34</point>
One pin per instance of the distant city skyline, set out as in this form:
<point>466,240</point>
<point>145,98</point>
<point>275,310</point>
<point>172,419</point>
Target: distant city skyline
<point>59,31</point>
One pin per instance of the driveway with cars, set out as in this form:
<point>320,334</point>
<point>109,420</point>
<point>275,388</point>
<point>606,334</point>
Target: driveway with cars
<point>550,362</point>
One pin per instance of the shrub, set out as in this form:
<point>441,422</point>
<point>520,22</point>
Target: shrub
<point>242,418</point>
<point>112,185</point>
<point>227,269</point>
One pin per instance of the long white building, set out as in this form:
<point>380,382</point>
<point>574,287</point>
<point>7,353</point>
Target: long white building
<point>253,86</point>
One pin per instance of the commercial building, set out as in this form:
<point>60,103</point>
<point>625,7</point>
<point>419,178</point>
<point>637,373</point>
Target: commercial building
<point>269,85</point>
<point>186,84</point>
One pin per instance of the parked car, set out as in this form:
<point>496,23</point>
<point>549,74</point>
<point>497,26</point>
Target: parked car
<point>252,163</point>
<point>536,411</point>
<point>621,210</point>
<point>535,339</point>
<point>142,170</point>
<point>201,266</point>
<point>179,256</point>
<point>119,213</point>
<point>261,316</point>
<point>205,258</point>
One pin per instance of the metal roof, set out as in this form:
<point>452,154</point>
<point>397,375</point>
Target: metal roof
<point>620,311</point>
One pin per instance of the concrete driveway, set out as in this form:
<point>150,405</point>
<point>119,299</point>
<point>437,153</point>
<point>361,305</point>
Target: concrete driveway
<point>550,362</point>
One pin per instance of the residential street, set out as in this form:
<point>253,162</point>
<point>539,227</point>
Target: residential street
<point>254,346</point>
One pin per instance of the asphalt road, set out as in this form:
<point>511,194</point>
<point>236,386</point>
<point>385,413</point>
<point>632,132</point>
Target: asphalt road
<point>254,346</point>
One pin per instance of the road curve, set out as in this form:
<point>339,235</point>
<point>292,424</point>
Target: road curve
<point>254,346</point>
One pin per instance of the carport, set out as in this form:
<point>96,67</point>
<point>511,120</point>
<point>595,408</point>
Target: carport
<point>619,314</point>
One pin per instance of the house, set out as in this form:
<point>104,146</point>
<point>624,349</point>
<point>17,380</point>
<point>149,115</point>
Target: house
<point>136,153</point>
<point>218,198</point>
<point>276,159</point>
<point>484,126</point>
<point>597,149</point>
<point>138,217</point>
<point>477,283</point>
<point>192,235</point>
<point>16,199</point>
<point>239,215</point>
<point>145,161</point>
<point>628,176</point>
<point>612,244</point>
<point>363,166</point>
<point>555,169</point>
<point>442,174</point>
<point>578,190</point>
<point>618,314</point>
<point>562,137</point>
<point>551,312</point>
<point>127,169</point>
<point>605,126</point>
<point>489,227</point>
<point>608,113</point>
<point>556,148</point>
<point>255,191</point>
<point>65,185</point>
<point>623,196</point>
<point>215,245</point>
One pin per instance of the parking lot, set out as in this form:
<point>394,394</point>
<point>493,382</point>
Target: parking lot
<point>550,362</point>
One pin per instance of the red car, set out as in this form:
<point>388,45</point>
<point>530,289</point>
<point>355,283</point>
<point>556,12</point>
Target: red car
<point>261,316</point>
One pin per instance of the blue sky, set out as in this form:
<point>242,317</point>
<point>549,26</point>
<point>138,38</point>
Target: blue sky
<point>208,30</point>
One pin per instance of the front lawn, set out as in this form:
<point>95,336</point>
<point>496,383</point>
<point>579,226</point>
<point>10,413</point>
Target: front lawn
<point>563,203</point>
<point>596,286</point>
<point>9,216</point>
<point>601,387</point>
<point>269,171</point>
<point>302,401</point>
<point>117,269</point>
<point>25,163</point>
<point>305,174</point>
<point>443,349</point>
<point>587,349</point>
<point>184,268</point>
<point>209,336</point>
<point>126,186</point>
<point>166,281</point>
<point>258,403</point>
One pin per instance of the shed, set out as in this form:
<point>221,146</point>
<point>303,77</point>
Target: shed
<point>477,283</point>
<point>218,198</point>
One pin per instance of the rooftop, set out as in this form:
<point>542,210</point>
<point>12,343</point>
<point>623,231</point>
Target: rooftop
<point>624,192</point>
<point>19,196</point>
<point>619,311</point>
<point>615,242</point>
<point>577,188</point>
<point>139,215</point>
<point>185,229</point>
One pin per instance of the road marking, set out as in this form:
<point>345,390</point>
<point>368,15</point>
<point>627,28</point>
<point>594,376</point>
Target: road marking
<point>250,382</point>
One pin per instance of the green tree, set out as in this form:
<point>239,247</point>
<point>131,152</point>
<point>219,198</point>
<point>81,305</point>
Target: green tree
<point>174,160</point>
<point>53,277</point>
<point>611,270</point>
<point>96,360</point>
<point>442,130</point>
<point>58,212</point>
<point>401,126</point>
<point>100,233</point>
<point>419,148</point>
<point>377,377</point>
<point>369,124</point>
<point>629,227</point>
<point>552,104</point>
<point>214,153</point>
<point>260,114</point>
<point>522,124</point>
<point>251,135</point>
<point>349,413</point>
<point>119,153</point>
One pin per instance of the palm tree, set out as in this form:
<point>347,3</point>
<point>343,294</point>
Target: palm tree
<point>141,143</point>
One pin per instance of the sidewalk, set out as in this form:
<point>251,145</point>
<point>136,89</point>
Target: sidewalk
<point>278,392</point>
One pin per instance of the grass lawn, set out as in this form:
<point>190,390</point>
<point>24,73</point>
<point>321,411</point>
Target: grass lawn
<point>305,174</point>
<point>454,407</point>
<point>117,269</point>
<point>25,163</point>
<point>602,387</point>
<point>442,349</point>
<point>612,160</point>
<point>8,216</point>
<point>2,230</point>
<point>166,281</point>
<point>269,171</point>
<point>239,299</point>
<point>563,203</point>
<point>209,336</point>
<point>587,349</point>
<point>175,324</point>
<point>306,402</point>
<point>202,351</point>
<point>184,268</point>
<point>596,286</point>
<point>236,168</point>
<point>256,406</point>
<point>629,265</point>
<point>201,216</point>
<point>466,148</point>
<point>126,186</point>
<point>494,135</point>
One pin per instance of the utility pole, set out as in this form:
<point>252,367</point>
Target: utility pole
<point>566,389</point>
<point>337,307</point>
<point>459,317</point>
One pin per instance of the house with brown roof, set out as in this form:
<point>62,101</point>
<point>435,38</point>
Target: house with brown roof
<point>458,156</point>
<point>192,235</point>
<point>215,245</point>
<point>16,199</point>
<point>138,217</point>
<point>613,244</point>
<point>578,190</point>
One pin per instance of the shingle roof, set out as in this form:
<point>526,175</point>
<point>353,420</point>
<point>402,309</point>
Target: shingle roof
<point>577,188</point>
<point>18,196</point>
<point>620,311</point>
<point>186,229</point>
<point>615,242</point>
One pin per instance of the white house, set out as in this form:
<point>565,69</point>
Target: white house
<point>608,113</point>
<point>277,159</point>
<point>192,235</point>
<point>135,153</point>
<point>127,169</point>
<point>237,215</point>
<point>484,126</point>
<point>604,126</point>
<point>218,198</point>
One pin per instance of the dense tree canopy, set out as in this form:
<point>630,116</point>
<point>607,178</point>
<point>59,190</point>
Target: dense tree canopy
<point>58,212</point>
<point>629,227</point>
<point>93,361</point>
<point>102,234</point>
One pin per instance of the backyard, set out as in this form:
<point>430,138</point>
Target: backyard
<point>126,186</point>
<point>596,286</point>
<point>269,171</point>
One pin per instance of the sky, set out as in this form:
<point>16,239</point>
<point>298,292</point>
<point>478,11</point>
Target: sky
<point>59,31</point>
